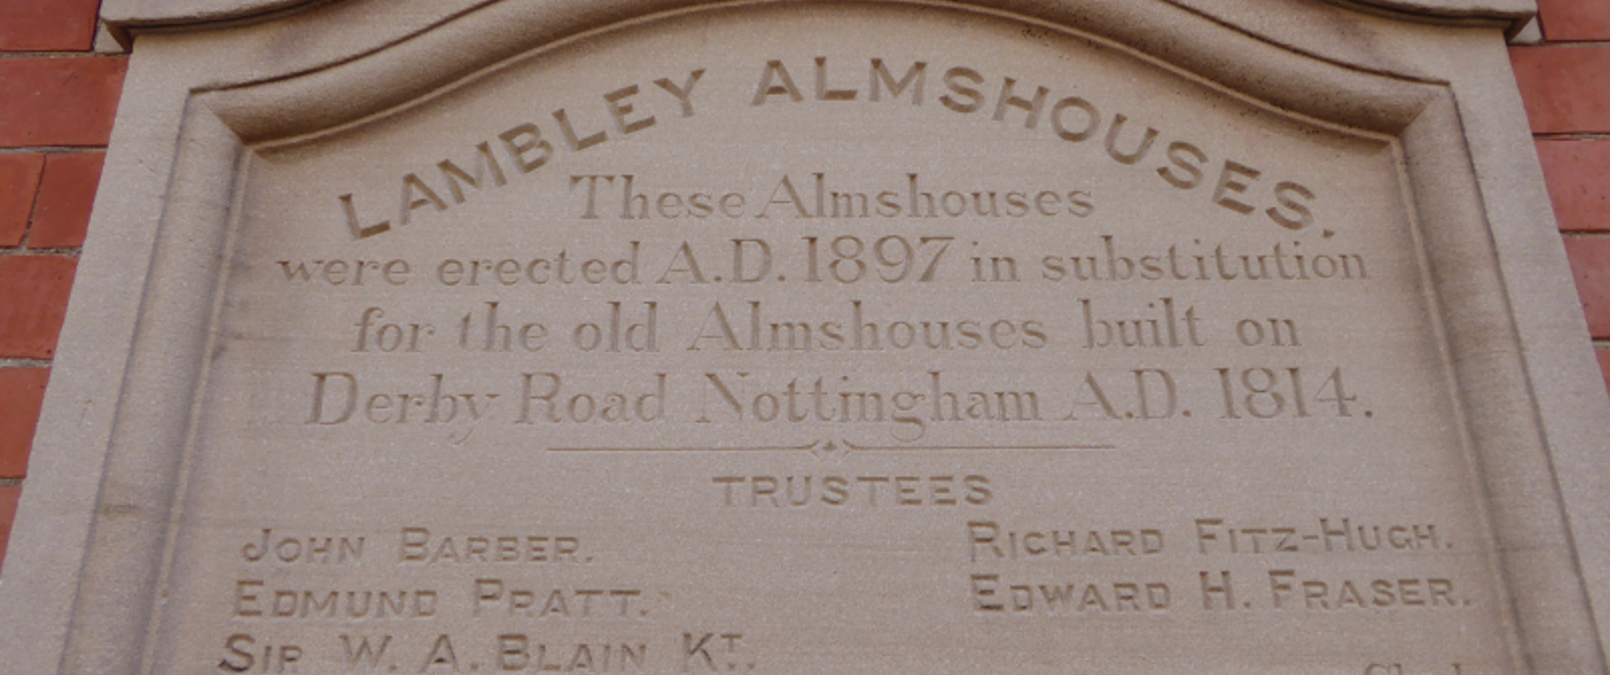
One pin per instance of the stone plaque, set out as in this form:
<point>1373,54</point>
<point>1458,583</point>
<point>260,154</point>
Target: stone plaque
<point>872,337</point>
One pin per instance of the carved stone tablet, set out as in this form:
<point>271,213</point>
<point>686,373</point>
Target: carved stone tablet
<point>873,337</point>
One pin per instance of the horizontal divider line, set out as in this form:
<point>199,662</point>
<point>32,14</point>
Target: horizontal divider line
<point>859,448</point>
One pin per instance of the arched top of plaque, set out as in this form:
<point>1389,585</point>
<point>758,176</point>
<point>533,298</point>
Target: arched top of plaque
<point>480,38</point>
<point>125,15</point>
<point>486,37</point>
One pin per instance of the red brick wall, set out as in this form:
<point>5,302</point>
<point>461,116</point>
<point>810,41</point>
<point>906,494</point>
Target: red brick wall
<point>1566,85</point>
<point>57,99</point>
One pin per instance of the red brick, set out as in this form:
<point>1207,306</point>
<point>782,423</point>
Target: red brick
<point>61,213</point>
<point>22,392</point>
<point>59,101</point>
<point>1578,177</point>
<point>1590,263</point>
<point>1566,89</point>
<point>19,180</point>
<point>1568,20</point>
<point>47,25</point>
<point>8,513</point>
<point>1604,365</point>
<point>33,300</point>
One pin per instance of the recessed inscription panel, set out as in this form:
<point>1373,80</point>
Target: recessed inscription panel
<point>776,340</point>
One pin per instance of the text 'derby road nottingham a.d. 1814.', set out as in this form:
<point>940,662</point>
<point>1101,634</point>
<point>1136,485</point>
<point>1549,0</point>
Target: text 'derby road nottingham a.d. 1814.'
<point>869,338</point>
